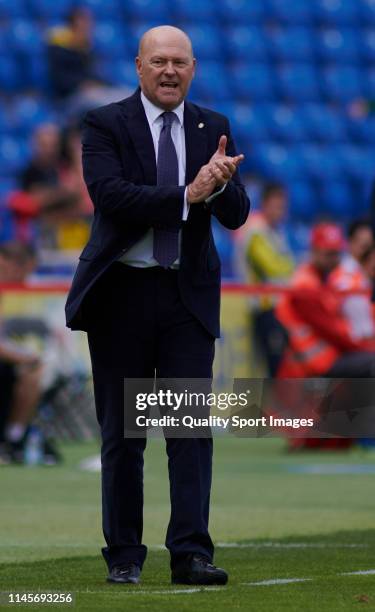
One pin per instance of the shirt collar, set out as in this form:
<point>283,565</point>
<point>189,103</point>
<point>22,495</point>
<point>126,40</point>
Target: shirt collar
<point>153,112</point>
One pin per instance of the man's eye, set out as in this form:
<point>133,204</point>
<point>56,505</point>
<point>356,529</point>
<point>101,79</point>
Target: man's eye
<point>157,63</point>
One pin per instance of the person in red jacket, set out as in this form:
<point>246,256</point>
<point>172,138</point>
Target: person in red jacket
<point>320,339</point>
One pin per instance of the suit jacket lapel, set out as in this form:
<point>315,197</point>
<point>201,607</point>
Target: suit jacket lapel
<point>139,131</point>
<point>195,141</point>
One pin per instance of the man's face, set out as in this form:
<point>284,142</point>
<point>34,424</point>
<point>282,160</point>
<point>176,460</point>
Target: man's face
<point>275,207</point>
<point>325,260</point>
<point>360,242</point>
<point>165,68</point>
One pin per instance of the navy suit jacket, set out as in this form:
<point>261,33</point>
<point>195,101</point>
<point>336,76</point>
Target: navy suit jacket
<point>119,169</point>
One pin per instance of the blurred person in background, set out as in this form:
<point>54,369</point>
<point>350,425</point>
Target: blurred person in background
<point>320,339</point>
<point>42,196</point>
<point>264,255</point>
<point>352,275</point>
<point>70,55</point>
<point>20,369</point>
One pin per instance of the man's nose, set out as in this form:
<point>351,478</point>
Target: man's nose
<point>169,68</point>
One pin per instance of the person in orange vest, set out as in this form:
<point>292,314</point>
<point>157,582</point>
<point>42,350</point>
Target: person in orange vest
<point>351,275</point>
<point>320,339</point>
<point>320,343</point>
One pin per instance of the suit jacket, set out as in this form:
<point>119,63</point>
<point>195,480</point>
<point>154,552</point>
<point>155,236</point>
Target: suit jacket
<point>119,169</point>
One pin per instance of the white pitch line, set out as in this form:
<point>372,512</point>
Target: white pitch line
<point>276,581</point>
<point>133,590</point>
<point>358,573</point>
<point>286,545</point>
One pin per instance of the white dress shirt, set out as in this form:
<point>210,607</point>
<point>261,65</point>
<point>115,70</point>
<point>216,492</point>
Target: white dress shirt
<point>140,255</point>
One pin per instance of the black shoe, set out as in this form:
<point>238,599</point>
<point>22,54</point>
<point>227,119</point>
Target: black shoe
<point>197,569</point>
<point>129,573</point>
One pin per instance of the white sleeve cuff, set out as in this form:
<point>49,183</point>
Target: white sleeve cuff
<point>186,208</point>
<point>215,194</point>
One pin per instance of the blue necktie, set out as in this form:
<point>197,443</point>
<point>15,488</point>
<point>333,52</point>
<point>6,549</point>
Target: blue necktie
<point>165,249</point>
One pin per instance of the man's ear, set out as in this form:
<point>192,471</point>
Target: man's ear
<point>194,66</point>
<point>138,65</point>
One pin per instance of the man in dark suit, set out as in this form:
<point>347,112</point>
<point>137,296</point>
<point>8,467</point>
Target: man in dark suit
<point>147,289</point>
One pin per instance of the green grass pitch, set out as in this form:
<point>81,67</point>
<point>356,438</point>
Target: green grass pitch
<point>303,516</point>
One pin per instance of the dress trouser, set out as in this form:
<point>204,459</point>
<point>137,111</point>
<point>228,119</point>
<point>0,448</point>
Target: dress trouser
<point>137,325</point>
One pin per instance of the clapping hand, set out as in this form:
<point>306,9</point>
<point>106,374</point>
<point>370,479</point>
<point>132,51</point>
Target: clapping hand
<point>216,173</point>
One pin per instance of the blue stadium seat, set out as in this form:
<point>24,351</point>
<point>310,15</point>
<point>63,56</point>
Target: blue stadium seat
<point>362,129</point>
<point>289,11</point>
<point>241,11</point>
<point>303,201</point>
<point>146,9</point>
<point>119,72</point>
<point>109,10</point>
<point>368,83</point>
<point>248,124</point>
<point>109,39</point>
<point>342,83</point>
<point>47,9</point>
<point>336,12</point>
<point>291,43</point>
<point>210,82</point>
<point>194,10</point>
<point>319,162</point>
<point>323,123</point>
<point>35,72</point>
<point>338,45</point>
<point>206,41</point>
<point>7,224</point>
<point>251,81</point>
<point>367,44</point>
<point>27,113</point>
<point>10,74</point>
<point>298,82</point>
<point>336,199</point>
<point>284,123</point>
<point>278,162</point>
<point>25,37</point>
<point>245,43</point>
<point>14,10</point>
<point>357,161</point>
<point>366,10</point>
<point>14,154</point>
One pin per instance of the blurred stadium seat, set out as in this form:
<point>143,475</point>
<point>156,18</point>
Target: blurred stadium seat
<point>110,39</point>
<point>48,10</point>
<point>298,82</point>
<point>291,44</point>
<point>194,10</point>
<point>336,11</point>
<point>251,81</point>
<point>336,45</point>
<point>289,11</point>
<point>243,42</point>
<point>139,10</point>
<point>241,11</point>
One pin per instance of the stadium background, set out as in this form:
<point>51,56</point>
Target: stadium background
<point>297,80</point>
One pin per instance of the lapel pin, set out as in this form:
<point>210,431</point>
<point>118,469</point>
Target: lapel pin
<point>200,125</point>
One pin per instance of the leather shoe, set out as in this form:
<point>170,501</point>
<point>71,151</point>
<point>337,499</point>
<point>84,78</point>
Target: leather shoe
<point>129,573</point>
<point>197,569</point>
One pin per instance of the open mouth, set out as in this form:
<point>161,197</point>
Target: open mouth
<point>169,85</point>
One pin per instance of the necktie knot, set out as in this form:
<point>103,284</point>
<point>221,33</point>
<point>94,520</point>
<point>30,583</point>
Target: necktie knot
<point>168,118</point>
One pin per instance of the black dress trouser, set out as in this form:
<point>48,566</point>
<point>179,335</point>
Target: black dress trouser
<point>137,326</point>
